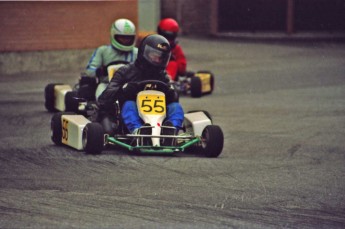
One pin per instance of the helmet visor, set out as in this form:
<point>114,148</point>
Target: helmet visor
<point>156,57</point>
<point>126,40</point>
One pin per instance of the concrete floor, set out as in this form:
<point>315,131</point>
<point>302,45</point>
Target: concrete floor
<point>282,110</point>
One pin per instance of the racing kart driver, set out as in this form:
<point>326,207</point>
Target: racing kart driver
<point>153,56</point>
<point>177,65</point>
<point>122,37</point>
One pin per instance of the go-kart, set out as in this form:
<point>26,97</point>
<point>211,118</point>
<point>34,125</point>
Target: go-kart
<point>198,134</point>
<point>195,84</point>
<point>62,97</point>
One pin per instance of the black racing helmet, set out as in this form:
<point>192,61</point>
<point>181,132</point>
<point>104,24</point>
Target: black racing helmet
<point>154,53</point>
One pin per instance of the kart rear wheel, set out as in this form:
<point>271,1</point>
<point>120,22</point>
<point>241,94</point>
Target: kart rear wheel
<point>49,97</point>
<point>211,79</point>
<point>195,87</point>
<point>93,138</point>
<point>56,127</point>
<point>212,141</point>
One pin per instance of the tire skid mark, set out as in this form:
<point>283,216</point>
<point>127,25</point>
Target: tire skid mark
<point>178,212</point>
<point>292,150</point>
<point>13,120</point>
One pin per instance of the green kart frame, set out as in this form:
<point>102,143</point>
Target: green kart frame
<point>209,143</point>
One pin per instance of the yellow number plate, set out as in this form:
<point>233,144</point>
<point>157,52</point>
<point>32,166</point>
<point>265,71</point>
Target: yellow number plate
<point>152,104</point>
<point>64,131</point>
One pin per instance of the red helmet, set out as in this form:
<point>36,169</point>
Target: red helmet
<point>168,28</point>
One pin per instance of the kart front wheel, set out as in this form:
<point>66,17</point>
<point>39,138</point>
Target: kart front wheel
<point>212,141</point>
<point>93,138</point>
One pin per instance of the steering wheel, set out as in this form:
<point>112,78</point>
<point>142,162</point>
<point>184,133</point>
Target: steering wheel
<point>135,87</point>
<point>117,62</point>
<point>160,85</point>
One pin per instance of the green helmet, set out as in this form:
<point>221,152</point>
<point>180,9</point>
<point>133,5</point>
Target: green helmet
<point>122,35</point>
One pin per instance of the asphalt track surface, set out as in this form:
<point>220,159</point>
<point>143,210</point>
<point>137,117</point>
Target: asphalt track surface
<point>281,107</point>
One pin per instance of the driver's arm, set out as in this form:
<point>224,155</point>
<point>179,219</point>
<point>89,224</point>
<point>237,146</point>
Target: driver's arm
<point>95,62</point>
<point>181,60</point>
<point>110,94</point>
<point>170,93</point>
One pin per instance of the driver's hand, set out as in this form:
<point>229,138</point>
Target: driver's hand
<point>171,95</point>
<point>130,91</point>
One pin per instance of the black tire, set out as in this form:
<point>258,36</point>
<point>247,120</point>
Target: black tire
<point>49,97</point>
<point>195,87</point>
<point>211,80</point>
<point>93,138</point>
<point>205,112</point>
<point>71,103</point>
<point>212,141</point>
<point>56,127</point>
